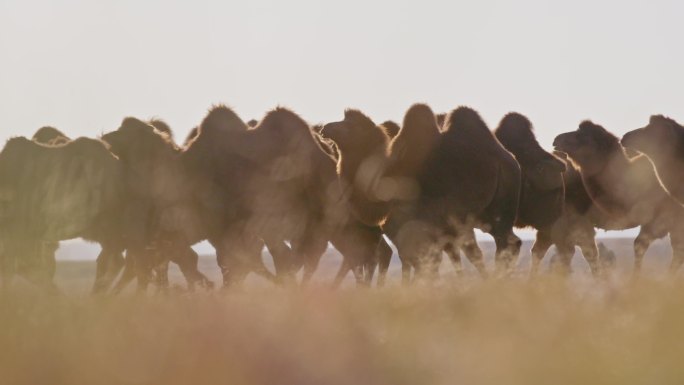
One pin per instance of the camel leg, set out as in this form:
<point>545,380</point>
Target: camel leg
<point>255,247</point>
<point>138,266</point>
<point>677,242</point>
<point>474,254</point>
<point>565,253</point>
<point>369,268</point>
<point>47,265</point>
<point>229,263</point>
<point>223,260</point>
<point>244,257</point>
<point>263,272</point>
<point>341,274</point>
<point>143,267</point>
<point>110,261</point>
<point>591,254</point>
<point>282,259</point>
<point>641,244</point>
<point>372,255</point>
<point>507,250</point>
<point>454,257</point>
<point>187,260</point>
<point>311,252</point>
<point>384,257</point>
<point>161,276</point>
<point>358,245</point>
<point>539,249</point>
<point>48,250</point>
<point>128,274</point>
<point>358,275</point>
<point>36,268</point>
<point>432,266</point>
<point>405,273</point>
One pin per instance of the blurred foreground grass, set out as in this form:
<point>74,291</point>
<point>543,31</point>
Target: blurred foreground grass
<point>548,331</point>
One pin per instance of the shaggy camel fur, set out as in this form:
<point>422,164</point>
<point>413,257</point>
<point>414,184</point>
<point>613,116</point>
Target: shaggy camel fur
<point>419,183</point>
<point>627,191</point>
<point>662,141</point>
<point>163,221</point>
<point>286,188</point>
<point>543,194</point>
<point>60,192</point>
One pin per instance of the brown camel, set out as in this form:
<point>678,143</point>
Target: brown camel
<point>295,196</point>
<point>480,181</point>
<point>542,194</point>
<point>217,178</point>
<point>60,192</point>
<point>431,205</point>
<point>50,136</point>
<point>284,184</point>
<point>110,260</point>
<point>185,253</point>
<point>383,253</point>
<point>407,154</point>
<point>662,141</point>
<point>626,191</point>
<point>419,122</point>
<point>576,227</point>
<point>162,218</point>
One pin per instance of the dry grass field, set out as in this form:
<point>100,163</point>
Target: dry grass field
<point>458,331</point>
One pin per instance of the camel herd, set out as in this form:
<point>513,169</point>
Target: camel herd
<point>295,188</point>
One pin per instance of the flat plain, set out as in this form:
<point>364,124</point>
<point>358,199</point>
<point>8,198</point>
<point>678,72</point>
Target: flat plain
<point>459,330</point>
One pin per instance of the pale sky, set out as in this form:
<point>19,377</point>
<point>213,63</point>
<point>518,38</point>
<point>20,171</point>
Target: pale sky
<point>83,65</point>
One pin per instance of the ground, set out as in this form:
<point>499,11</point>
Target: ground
<point>467,331</point>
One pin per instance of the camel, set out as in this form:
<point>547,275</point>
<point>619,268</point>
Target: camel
<point>662,141</point>
<point>625,191</point>
<point>542,195</point>
<point>53,193</point>
<point>415,190</point>
<point>162,222</point>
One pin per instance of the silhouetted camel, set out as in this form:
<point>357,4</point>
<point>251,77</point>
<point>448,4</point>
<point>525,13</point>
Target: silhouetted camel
<point>423,189</point>
<point>542,194</point>
<point>662,141</point>
<point>60,192</point>
<point>285,185</point>
<point>626,191</point>
<point>162,216</point>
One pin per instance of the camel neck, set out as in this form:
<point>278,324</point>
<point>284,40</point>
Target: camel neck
<point>349,166</point>
<point>599,184</point>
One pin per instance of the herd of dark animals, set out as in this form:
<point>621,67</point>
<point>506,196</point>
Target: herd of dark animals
<point>426,185</point>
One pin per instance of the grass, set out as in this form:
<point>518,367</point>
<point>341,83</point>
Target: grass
<point>549,331</point>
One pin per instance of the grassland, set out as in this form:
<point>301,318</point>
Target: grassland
<point>546,331</point>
